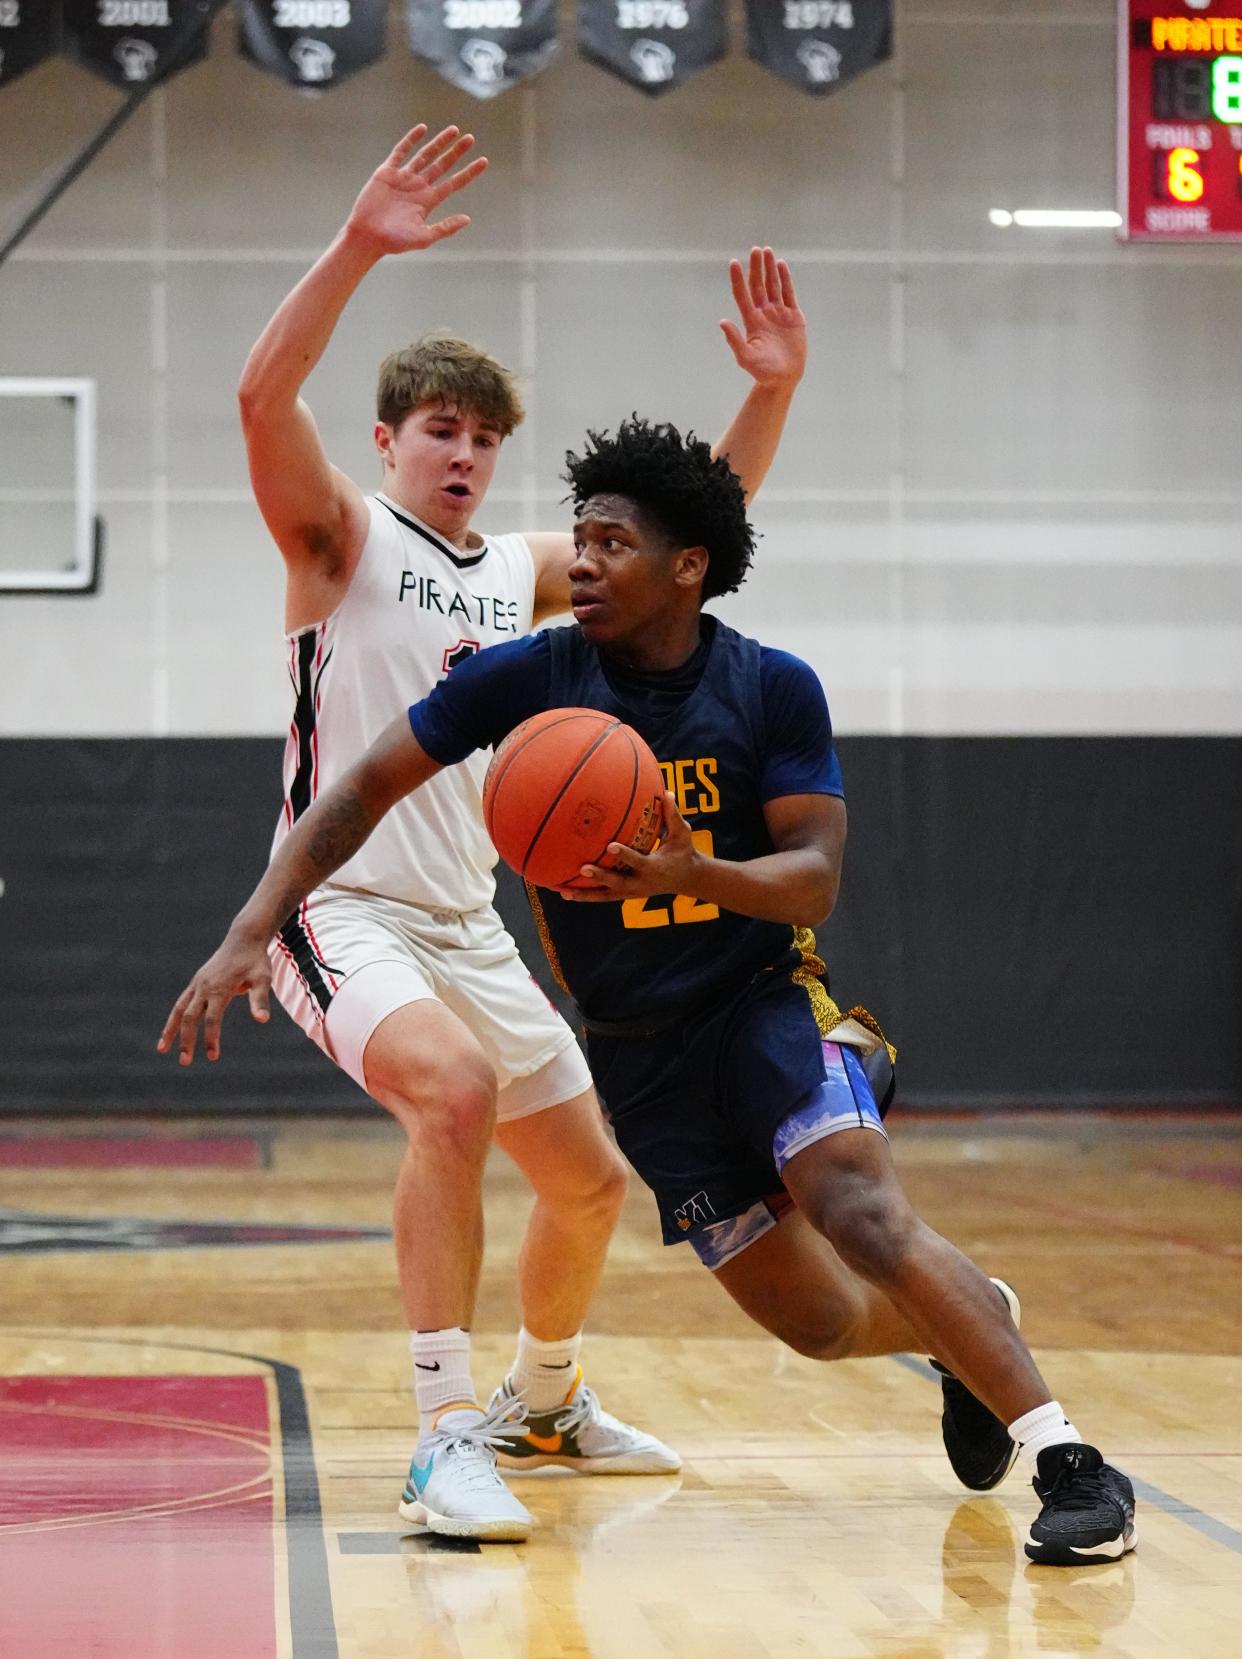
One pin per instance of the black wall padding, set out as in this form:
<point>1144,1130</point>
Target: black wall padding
<point>1036,921</point>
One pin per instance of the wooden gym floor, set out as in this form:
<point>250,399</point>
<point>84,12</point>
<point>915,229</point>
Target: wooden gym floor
<point>205,1418</point>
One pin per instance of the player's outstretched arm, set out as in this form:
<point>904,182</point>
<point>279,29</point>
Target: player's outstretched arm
<point>798,883</point>
<point>319,843</point>
<point>316,514</point>
<point>768,341</point>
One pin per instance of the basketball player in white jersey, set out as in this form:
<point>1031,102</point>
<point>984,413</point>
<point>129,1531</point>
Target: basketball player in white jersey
<point>400,969</point>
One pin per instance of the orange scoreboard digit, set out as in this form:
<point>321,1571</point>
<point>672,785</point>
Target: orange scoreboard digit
<point>1179,120</point>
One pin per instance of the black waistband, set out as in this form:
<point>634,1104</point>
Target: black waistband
<point>713,999</point>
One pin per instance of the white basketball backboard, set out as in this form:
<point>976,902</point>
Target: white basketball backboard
<point>49,535</point>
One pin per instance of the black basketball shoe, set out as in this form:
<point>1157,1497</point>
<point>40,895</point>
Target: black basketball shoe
<point>977,1443</point>
<point>1088,1512</point>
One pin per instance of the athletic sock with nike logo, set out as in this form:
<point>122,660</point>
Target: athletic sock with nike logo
<point>544,1373</point>
<point>441,1372</point>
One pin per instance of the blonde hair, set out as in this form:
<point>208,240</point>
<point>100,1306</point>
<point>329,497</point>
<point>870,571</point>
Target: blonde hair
<point>441,368</point>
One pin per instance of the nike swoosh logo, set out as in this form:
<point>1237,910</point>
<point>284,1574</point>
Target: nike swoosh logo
<point>420,1474</point>
<point>563,1367</point>
<point>545,1442</point>
<point>419,1366</point>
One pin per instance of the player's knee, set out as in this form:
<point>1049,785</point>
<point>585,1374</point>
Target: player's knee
<point>598,1188</point>
<point>613,1185</point>
<point>449,1107</point>
<point>870,1226</point>
<point>463,1115</point>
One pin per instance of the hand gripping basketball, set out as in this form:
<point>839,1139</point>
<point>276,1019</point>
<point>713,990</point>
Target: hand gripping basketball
<point>565,784</point>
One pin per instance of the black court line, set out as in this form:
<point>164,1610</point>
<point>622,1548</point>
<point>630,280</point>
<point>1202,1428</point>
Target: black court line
<point>393,1543</point>
<point>311,1623</point>
<point>920,1367</point>
<point>1208,1525</point>
<point>26,1232</point>
<point>1218,1531</point>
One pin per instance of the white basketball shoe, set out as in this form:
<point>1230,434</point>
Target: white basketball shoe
<point>580,1434</point>
<point>454,1488</point>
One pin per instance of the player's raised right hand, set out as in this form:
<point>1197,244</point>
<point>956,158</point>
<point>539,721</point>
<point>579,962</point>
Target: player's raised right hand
<point>393,211</point>
<point>769,338</point>
<point>239,968</point>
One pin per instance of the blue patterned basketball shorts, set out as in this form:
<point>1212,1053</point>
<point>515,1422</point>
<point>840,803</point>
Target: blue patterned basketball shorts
<point>710,1110</point>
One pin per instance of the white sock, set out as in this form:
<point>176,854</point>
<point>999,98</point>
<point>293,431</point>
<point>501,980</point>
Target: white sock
<point>1045,1426</point>
<point>544,1372</point>
<point>441,1374</point>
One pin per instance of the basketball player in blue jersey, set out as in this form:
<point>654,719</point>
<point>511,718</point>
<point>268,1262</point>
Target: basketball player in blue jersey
<point>736,1088</point>
<point>400,969</point>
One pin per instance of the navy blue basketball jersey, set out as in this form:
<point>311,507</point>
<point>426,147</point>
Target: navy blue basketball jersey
<point>754,727</point>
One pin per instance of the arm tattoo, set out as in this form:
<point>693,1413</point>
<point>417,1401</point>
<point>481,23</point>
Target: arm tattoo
<point>343,826</point>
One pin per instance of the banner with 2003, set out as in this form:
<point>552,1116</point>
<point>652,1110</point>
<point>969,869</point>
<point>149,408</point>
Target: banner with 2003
<point>313,44</point>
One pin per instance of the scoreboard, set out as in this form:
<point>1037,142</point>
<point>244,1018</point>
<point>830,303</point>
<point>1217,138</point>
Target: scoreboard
<point>1180,120</point>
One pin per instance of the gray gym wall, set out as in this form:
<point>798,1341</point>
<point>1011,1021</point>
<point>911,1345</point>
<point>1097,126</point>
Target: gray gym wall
<point>1006,507</point>
<point>1008,497</point>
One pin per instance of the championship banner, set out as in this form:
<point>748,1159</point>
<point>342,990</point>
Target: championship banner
<point>654,44</point>
<point>29,32</point>
<point>483,46</point>
<point>819,45</point>
<point>313,44</point>
<point>135,42</point>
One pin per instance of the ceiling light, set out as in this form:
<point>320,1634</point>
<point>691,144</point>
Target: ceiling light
<point>1056,218</point>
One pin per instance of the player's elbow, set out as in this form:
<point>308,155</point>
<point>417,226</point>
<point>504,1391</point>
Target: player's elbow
<point>251,400</point>
<point>825,887</point>
<point>377,785</point>
<point>819,910</point>
<point>250,413</point>
<point>260,397</point>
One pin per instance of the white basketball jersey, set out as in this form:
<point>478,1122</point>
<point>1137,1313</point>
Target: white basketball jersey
<point>415,607</point>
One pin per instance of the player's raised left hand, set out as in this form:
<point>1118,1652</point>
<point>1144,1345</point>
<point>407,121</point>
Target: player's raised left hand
<point>770,343</point>
<point>668,868</point>
<point>394,207</point>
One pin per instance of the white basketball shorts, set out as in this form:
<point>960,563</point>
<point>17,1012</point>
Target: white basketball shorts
<point>346,960</point>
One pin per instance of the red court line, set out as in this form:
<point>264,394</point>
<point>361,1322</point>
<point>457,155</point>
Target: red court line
<point>136,1518</point>
<point>130,1152</point>
<point>1220,1175</point>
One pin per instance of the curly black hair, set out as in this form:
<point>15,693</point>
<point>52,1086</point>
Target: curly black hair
<point>698,501</point>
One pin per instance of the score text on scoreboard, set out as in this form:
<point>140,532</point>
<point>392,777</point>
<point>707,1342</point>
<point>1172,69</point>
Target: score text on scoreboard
<point>1180,120</point>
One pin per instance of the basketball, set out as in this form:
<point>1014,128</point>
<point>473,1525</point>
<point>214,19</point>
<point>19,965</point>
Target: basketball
<point>563,785</point>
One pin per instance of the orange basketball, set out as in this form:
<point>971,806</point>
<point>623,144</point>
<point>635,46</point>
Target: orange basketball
<point>563,785</point>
